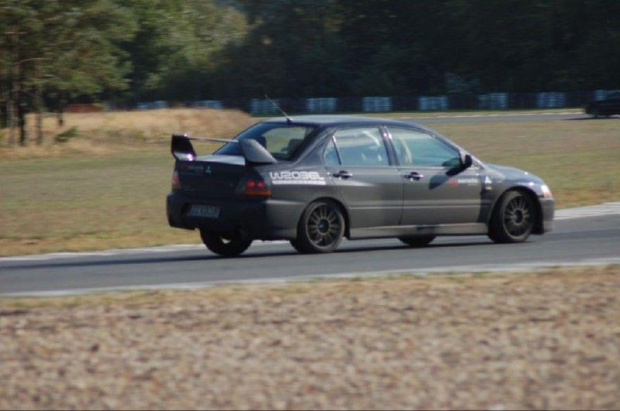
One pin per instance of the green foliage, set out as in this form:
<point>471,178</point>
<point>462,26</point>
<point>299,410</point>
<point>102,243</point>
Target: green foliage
<point>65,45</point>
<point>172,52</point>
<point>144,50</point>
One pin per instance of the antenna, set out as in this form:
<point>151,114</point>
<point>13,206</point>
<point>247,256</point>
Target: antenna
<point>288,119</point>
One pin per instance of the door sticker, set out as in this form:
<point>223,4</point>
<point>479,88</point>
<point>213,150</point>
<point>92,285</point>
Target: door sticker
<point>297,178</point>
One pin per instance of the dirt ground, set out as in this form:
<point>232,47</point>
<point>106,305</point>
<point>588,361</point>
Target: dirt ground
<point>547,340</point>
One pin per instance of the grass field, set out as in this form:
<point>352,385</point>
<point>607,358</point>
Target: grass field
<point>544,340</point>
<point>106,186</point>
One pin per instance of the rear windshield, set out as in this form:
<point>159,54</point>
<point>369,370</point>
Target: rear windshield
<point>281,140</point>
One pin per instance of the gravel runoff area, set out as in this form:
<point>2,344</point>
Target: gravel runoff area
<point>542,340</point>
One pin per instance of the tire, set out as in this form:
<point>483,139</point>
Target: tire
<point>513,218</point>
<point>296,245</point>
<point>320,228</point>
<point>417,241</point>
<point>224,246</point>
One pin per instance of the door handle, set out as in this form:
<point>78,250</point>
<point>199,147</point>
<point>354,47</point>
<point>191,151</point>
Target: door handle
<point>414,175</point>
<point>343,174</point>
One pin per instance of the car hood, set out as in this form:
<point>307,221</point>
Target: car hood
<point>513,173</point>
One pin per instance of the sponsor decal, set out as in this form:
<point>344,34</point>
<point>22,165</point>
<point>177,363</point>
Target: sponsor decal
<point>468,181</point>
<point>296,177</point>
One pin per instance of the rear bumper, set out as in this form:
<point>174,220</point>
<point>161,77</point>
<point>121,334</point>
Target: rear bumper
<point>258,218</point>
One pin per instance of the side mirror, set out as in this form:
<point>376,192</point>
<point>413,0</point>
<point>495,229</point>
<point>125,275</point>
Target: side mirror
<point>466,161</point>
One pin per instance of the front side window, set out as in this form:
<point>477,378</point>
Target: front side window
<point>281,140</point>
<point>362,146</point>
<point>330,155</point>
<point>415,148</point>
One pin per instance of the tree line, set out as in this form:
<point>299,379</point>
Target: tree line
<point>125,51</point>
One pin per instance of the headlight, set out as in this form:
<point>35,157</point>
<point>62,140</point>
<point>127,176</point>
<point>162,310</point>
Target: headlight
<point>546,192</point>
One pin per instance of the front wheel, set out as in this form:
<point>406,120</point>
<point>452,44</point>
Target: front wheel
<point>513,219</point>
<point>320,229</point>
<point>419,241</point>
<point>225,246</point>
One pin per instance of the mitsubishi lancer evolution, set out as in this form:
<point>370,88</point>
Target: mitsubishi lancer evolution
<point>314,180</point>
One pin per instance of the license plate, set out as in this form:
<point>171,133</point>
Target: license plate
<point>204,211</point>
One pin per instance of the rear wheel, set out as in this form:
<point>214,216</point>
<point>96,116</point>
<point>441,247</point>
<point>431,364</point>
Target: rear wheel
<point>420,241</point>
<point>227,246</point>
<point>513,218</point>
<point>320,229</point>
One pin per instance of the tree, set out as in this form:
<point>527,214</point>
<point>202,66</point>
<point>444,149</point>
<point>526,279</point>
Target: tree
<point>65,47</point>
<point>173,52</point>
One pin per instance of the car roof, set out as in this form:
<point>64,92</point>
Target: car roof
<point>340,120</point>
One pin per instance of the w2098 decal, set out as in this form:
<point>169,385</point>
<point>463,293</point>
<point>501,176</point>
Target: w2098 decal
<point>297,177</point>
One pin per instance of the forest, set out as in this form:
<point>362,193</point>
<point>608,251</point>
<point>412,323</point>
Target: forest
<point>125,51</point>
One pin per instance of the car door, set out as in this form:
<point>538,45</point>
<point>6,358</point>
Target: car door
<point>357,161</point>
<point>435,191</point>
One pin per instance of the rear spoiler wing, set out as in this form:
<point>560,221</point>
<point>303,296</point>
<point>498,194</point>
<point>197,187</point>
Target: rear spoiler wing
<point>254,154</point>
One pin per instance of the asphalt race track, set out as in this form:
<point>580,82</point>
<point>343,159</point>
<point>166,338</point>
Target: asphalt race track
<point>577,238</point>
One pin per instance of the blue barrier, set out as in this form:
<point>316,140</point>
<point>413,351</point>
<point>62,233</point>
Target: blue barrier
<point>376,104</point>
<point>316,105</point>
<point>550,100</point>
<point>321,105</point>
<point>433,103</point>
<point>493,101</point>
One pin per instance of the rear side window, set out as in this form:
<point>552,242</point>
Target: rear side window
<point>281,140</point>
<point>362,146</point>
<point>420,149</point>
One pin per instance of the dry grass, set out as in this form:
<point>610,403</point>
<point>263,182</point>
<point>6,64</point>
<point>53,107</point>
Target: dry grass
<point>108,133</point>
<point>545,340</point>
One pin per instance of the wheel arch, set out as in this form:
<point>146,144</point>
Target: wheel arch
<point>538,223</point>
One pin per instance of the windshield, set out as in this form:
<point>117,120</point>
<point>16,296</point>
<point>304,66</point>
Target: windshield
<point>281,140</point>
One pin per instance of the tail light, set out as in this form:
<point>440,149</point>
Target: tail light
<point>176,183</point>
<point>253,186</point>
